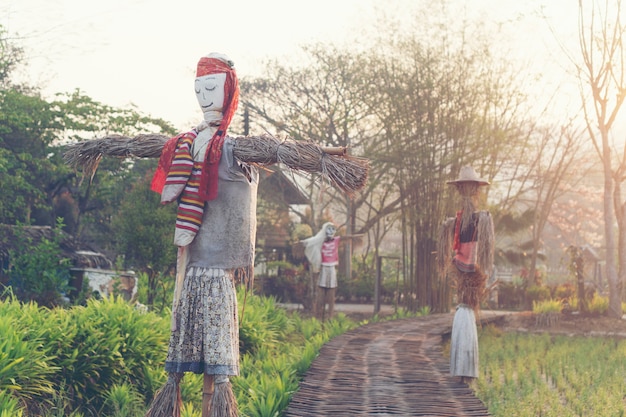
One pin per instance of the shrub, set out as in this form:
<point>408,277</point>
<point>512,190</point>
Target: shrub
<point>25,369</point>
<point>123,400</point>
<point>564,291</point>
<point>547,312</point>
<point>38,272</point>
<point>537,293</point>
<point>598,304</point>
<point>70,360</point>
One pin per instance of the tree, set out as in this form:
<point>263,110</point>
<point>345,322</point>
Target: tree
<point>144,235</point>
<point>28,127</point>
<point>321,102</point>
<point>38,271</point>
<point>560,151</point>
<point>418,105</point>
<point>602,79</point>
<point>11,56</point>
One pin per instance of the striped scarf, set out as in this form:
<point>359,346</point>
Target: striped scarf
<point>185,172</point>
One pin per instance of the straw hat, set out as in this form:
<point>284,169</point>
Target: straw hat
<point>467,174</point>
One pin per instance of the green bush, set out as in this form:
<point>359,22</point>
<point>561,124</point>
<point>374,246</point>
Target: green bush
<point>598,304</point>
<point>25,369</point>
<point>143,340</point>
<point>564,291</point>
<point>547,307</point>
<point>260,323</point>
<point>73,358</point>
<point>38,272</point>
<point>123,400</point>
<point>106,358</point>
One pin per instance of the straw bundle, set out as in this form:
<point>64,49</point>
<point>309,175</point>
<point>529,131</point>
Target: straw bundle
<point>87,154</point>
<point>444,245</point>
<point>486,242</point>
<point>348,173</point>
<point>470,287</point>
<point>168,401</point>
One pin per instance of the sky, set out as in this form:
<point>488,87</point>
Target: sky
<point>143,52</point>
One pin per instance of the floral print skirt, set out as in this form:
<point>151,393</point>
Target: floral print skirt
<point>206,335</point>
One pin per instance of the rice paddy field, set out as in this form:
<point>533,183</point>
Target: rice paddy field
<point>525,375</point>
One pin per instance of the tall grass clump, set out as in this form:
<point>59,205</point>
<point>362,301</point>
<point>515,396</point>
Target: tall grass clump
<point>9,405</point>
<point>26,369</point>
<point>122,400</point>
<point>598,305</point>
<point>547,312</point>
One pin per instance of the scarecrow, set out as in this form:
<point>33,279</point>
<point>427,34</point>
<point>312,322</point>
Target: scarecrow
<point>213,178</point>
<point>322,252</point>
<point>465,253</point>
<point>215,233</point>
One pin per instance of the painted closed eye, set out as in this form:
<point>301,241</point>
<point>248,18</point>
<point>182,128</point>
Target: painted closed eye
<point>211,87</point>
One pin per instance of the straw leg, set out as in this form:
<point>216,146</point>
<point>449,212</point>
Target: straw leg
<point>207,394</point>
<point>314,289</point>
<point>321,303</point>
<point>330,295</point>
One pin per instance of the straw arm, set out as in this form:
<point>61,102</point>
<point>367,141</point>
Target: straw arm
<point>347,172</point>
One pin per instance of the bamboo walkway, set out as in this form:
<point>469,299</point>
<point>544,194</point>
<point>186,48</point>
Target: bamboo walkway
<point>394,368</point>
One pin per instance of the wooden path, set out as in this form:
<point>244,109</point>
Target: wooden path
<point>394,368</point>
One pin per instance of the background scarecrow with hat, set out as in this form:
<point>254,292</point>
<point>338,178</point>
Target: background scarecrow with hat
<point>465,253</point>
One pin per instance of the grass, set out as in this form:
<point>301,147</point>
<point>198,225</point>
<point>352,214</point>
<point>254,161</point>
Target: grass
<point>524,375</point>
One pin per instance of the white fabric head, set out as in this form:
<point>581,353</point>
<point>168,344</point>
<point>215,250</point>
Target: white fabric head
<point>330,231</point>
<point>210,94</point>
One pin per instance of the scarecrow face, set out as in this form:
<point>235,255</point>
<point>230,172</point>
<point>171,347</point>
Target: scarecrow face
<point>330,231</point>
<point>210,92</point>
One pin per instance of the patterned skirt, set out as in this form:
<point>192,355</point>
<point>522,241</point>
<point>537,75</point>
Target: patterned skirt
<point>206,337</point>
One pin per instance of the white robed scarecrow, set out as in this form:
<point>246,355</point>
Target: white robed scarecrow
<point>466,247</point>
<point>322,252</point>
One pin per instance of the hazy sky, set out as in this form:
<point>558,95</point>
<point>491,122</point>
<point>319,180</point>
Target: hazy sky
<point>144,52</point>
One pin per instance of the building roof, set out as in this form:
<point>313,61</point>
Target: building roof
<point>275,182</point>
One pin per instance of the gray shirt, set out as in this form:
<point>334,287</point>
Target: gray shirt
<point>227,235</point>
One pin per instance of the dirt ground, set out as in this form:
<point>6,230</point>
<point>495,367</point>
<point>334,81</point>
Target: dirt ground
<point>569,324</point>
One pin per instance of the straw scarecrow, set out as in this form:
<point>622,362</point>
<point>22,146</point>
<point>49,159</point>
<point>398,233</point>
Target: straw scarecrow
<point>215,234</point>
<point>214,179</point>
<point>322,252</point>
<point>466,246</point>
